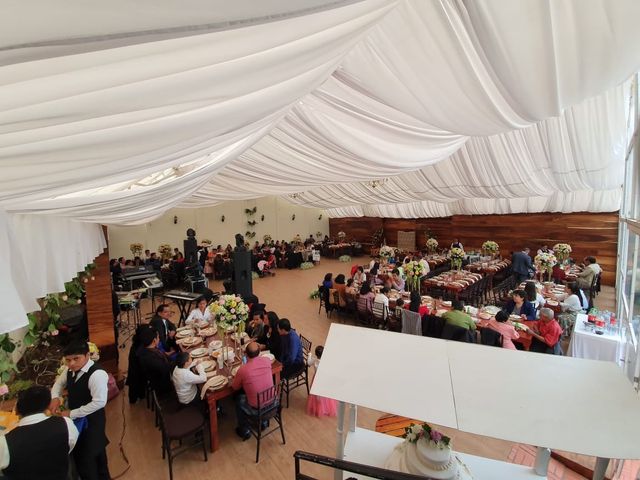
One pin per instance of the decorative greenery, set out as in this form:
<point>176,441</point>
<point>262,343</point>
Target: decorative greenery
<point>306,265</point>
<point>315,294</point>
<point>490,247</point>
<point>414,271</point>
<point>432,245</point>
<point>413,433</point>
<point>165,251</point>
<point>319,234</point>
<point>342,235</point>
<point>293,217</point>
<point>251,211</point>
<point>562,251</point>
<point>230,311</point>
<point>136,249</point>
<point>262,218</point>
<point>7,365</point>
<point>344,258</point>
<point>206,242</point>
<point>387,252</point>
<point>456,255</point>
<point>376,238</point>
<point>267,239</point>
<point>252,223</point>
<point>249,234</point>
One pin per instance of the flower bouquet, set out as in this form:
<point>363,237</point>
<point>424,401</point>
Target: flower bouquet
<point>432,245</point>
<point>456,255</point>
<point>544,263</point>
<point>415,432</point>
<point>267,239</point>
<point>165,251</point>
<point>306,265</point>
<point>387,251</point>
<point>414,271</point>
<point>297,239</point>
<point>136,249</point>
<point>344,258</point>
<point>230,311</point>
<point>206,242</point>
<point>562,251</point>
<point>490,247</point>
<point>342,235</point>
<point>318,234</point>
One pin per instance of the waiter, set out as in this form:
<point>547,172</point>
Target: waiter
<point>39,446</point>
<point>86,385</point>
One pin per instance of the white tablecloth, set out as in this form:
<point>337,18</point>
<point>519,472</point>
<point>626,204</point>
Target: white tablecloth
<point>586,344</point>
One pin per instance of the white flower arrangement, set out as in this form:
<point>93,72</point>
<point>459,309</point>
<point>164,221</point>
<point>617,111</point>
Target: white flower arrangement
<point>136,249</point>
<point>306,265</point>
<point>387,251</point>
<point>456,255</point>
<point>415,432</point>
<point>432,245</point>
<point>230,311</point>
<point>165,251</point>
<point>344,258</point>
<point>490,247</point>
<point>267,239</point>
<point>341,235</point>
<point>562,251</point>
<point>545,261</point>
<point>206,242</point>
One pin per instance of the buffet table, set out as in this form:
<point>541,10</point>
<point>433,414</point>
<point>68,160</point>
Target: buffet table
<point>585,343</point>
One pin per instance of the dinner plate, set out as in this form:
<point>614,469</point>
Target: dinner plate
<point>209,365</point>
<point>202,323</point>
<point>270,356</point>
<point>199,352</point>
<point>235,336</point>
<point>491,309</point>
<point>235,369</point>
<point>210,373</point>
<point>484,316</point>
<point>181,329</point>
<point>208,332</point>
<point>191,341</point>
<point>184,333</point>
<point>514,317</point>
<point>446,303</point>
<point>215,344</point>
<point>553,303</point>
<point>217,380</point>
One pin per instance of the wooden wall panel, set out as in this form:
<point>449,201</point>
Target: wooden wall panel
<point>588,233</point>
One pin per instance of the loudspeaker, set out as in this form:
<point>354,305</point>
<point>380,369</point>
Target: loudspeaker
<point>190,251</point>
<point>242,271</point>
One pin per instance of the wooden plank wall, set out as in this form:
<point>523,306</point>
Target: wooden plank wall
<point>588,233</point>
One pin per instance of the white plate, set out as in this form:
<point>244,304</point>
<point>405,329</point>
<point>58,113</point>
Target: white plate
<point>270,356</point>
<point>199,352</point>
<point>235,369</point>
<point>208,332</point>
<point>215,345</point>
<point>181,329</point>
<point>209,365</point>
<point>184,333</point>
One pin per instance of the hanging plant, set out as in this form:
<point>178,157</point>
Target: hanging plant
<point>251,223</point>
<point>251,211</point>
<point>262,218</point>
<point>320,217</point>
<point>222,218</point>
<point>249,234</point>
<point>293,217</point>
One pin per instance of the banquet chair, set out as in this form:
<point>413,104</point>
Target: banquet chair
<point>364,309</point>
<point>269,408</point>
<point>380,313</point>
<point>300,377</point>
<point>490,337</point>
<point>411,322</point>
<point>351,306</point>
<point>432,326</point>
<point>457,334</point>
<point>323,298</point>
<point>179,426</point>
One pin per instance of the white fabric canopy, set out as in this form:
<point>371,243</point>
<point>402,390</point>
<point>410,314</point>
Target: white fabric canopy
<point>404,108</point>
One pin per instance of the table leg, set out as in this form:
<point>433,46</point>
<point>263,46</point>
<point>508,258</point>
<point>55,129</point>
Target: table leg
<point>213,423</point>
<point>600,469</point>
<point>337,475</point>
<point>541,464</point>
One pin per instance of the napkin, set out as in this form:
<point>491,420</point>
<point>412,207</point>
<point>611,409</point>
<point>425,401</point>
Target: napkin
<point>212,382</point>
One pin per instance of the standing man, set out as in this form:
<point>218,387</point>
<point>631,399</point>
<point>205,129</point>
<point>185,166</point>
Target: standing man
<point>521,264</point>
<point>86,385</point>
<point>39,446</point>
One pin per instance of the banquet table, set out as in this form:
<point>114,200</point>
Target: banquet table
<point>213,396</point>
<point>585,343</point>
<point>455,282</point>
<point>488,268</point>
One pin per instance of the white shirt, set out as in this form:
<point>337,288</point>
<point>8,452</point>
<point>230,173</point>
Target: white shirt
<point>97,386</point>
<point>196,315</point>
<point>425,265</point>
<point>381,298</point>
<point>185,381</point>
<point>572,304</point>
<point>32,420</point>
<point>595,267</point>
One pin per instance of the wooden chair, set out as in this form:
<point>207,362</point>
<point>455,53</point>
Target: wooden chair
<point>380,313</point>
<point>323,299</point>
<point>269,408</point>
<point>364,311</point>
<point>177,427</point>
<point>300,377</point>
<point>490,337</point>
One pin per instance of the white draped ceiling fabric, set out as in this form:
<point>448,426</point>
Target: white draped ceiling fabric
<point>114,113</point>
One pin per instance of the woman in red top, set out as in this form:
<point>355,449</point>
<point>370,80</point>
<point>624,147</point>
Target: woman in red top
<point>416,305</point>
<point>558,274</point>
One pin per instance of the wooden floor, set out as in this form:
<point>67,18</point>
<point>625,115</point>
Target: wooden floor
<point>287,294</point>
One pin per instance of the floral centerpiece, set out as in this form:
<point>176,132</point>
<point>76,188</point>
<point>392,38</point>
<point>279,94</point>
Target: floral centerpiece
<point>318,234</point>
<point>562,251</point>
<point>490,247</point>
<point>387,251</point>
<point>414,271</point>
<point>230,311</point>
<point>297,239</point>
<point>306,265</point>
<point>415,432</point>
<point>342,235</point>
<point>206,242</point>
<point>136,249</point>
<point>432,245</point>
<point>544,263</point>
<point>344,258</point>
<point>267,239</point>
<point>456,255</point>
<point>165,251</point>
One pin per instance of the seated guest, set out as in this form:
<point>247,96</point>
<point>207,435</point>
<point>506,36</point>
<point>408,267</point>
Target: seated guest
<point>166,329</point>
<point>504,327</point>
<point>518,305</point>
<point>425,265</point>
<point>185,381</point>
<point>533,296</point>
<point>546,336</point>
<point>457,317</point>
<point>359,277</point>
<point>395,281</point>
<point>252,378</point>
<point>292,355</point>
<point>256,327</point>
<point>590,262</point>
<point>558,274</point>
<point>155,364</point>
<point>339,285</point>
<point>382,297</point>
<point>273,341</point>
<point>544,249</point>
<point>366,298</point>
<point>415,304</point>
<point>199,314</point>
<point>572,302</point>
<point>350,289</point>
<point>400,305</point>
<point>39,446</point>
<point>327,283</point>
<point>588,274</point>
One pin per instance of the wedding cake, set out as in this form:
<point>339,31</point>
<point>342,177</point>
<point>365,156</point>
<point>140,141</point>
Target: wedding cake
<point>427,452</point>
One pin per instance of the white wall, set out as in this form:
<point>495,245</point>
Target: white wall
<point>208,224</point>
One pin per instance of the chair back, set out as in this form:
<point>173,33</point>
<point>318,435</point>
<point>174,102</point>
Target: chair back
<point>380,311</point>
<point>490,337</point>
<point>411,322</point>
<point>269,402</point>
<point>455,333</point>
<point>334,298</point>
<point>432,326</point>
<point>306,347</point>
<point>364,304</point>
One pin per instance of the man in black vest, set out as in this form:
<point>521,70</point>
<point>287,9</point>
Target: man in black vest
<point>37,437</point>
<point>86,385</point>
<point>166,329</point>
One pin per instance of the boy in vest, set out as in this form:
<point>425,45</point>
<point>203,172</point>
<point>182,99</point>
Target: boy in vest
<point>37,437</point>
<point>86,386</point>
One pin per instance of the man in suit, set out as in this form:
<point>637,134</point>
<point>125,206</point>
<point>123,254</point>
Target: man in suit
<point>161,323</point>
<point>521,264</point>
<point>154,364</point>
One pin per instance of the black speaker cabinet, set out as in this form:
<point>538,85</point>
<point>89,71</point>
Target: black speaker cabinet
<point>242,270</point>
<point>190,251</point>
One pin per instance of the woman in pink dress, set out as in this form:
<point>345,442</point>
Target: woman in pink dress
<point>504,327</point>
<point>316,405</point>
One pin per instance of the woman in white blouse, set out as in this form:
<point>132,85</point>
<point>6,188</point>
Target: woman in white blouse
<point>200,314</point>
<point>572,302</point>
<point>186,381</point>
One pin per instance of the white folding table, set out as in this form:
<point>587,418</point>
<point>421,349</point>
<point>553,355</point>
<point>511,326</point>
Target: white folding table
<point>585,343</point>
